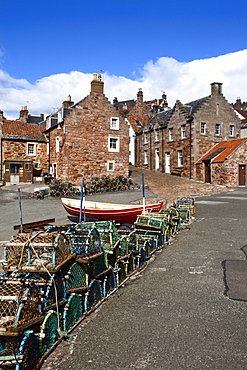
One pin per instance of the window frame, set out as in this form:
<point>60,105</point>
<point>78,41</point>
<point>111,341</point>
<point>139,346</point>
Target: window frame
<point>170,134</point>
<point>157,135</point>
<point>145,138</point>
<point>231,130</point>
<point>116,125</point>
<point>217,130</point>
<point>183,131</point>
<point>33,152</point>
<point>109,163</point>
<point>117,141</point>
<point>203,128</point>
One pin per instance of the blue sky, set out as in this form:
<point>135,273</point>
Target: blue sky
<point>44,38</point>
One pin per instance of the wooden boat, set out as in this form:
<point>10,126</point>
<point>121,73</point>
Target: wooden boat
<point>123,213</point>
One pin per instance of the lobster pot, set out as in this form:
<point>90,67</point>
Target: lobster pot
<point>153,221</point>
<point>73,310</point>
<point>21,352</point>
<point>184,214</point>
<point>137,241</point>
<point>20,303</point>
<point>93,296</point>
<point>85,241</point>
<point>156,238</point>
<point>36,251</point>
<point>107,282</point>
<point>186,202</point>
<point>77,277</point>
<point>97,265</point>
<point>123,249</point>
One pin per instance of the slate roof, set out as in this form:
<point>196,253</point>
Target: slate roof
<point>219,152</point>
<point>20,130</point>
<point>163,117</point>
<point>193,106</point>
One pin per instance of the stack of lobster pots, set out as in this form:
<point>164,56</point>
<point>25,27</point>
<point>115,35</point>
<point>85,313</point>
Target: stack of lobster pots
<point>52,279</point>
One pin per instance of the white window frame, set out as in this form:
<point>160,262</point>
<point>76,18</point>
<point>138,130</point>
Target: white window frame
<point>231,130</point>
<point>157,135</point>
<point>116,146</point>
<point>217,129</point>
<point>170,134</point>
<point>180,158</point>
<point>203,128</point>
<point>145,157</point>
<point>145,138</point>
<point>183,131</point>
<point>33,152</point>
<point>110,166</point>
<point>57,144</point>
<point>114,123</point>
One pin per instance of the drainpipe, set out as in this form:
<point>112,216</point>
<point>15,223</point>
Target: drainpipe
<point>190,145</point>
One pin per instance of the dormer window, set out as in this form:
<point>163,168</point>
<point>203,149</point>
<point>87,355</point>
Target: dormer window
<point>114,123</point>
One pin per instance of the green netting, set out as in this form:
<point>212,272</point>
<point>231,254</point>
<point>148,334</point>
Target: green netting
<point>77,276</point>
<point>49,332</point>
<point>94,294</point>
<point>72,311</point>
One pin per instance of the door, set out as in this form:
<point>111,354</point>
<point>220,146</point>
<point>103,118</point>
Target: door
<point>157,159</point>
<point>241,174</point>
<point>168,162</point>
<point>207,169</point>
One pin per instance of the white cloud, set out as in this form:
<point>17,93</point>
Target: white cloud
<point>183,81</point>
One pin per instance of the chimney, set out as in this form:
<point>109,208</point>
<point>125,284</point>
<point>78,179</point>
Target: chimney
<point>115,101</point>
<point>23,114</point>
<point>97,86</point>
<point>164,98</point>
<point>68,103</point>
<point>140,96</point>
<point>238,104</point>
<point>216,88</point>
<point>1,116</point>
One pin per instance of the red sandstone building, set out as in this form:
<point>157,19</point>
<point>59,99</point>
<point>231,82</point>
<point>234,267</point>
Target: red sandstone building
<point>89,138</point>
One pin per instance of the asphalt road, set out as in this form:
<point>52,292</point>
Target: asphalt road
<point>179,312</point>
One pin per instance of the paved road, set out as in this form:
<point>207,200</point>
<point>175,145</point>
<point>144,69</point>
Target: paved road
<point>175,314</point>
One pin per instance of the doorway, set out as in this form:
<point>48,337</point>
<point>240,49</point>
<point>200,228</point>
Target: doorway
<point>207,171</point>
<point>241,174</point>
<point>168,162</point>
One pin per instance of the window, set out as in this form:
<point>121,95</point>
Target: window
<point>217,129</point>
<point>14,168</point>
<point>231,130</point>
<point>170,134</point>
<point>157,135</point>
<point>203,128</point>
<point>145,157</point>
<point>180,158</point>
<point>114,123</point>
<point>183,131</point>
<point>57,144</point>
<point>145,138</point>
<point>110,165</point>
<point>113,144</point>
<point>31,149</point>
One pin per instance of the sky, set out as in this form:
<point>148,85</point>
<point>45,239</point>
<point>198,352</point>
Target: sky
<point>51,48</point>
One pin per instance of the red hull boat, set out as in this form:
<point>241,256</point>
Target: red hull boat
<point>123,213</point>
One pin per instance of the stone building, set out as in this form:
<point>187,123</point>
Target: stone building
<point>90,140</point>
<point>23,152</point>
<point>173,140</point>
<point>224,164</point>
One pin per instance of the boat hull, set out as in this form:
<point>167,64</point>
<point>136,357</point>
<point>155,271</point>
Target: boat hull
<point>123,214</point>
